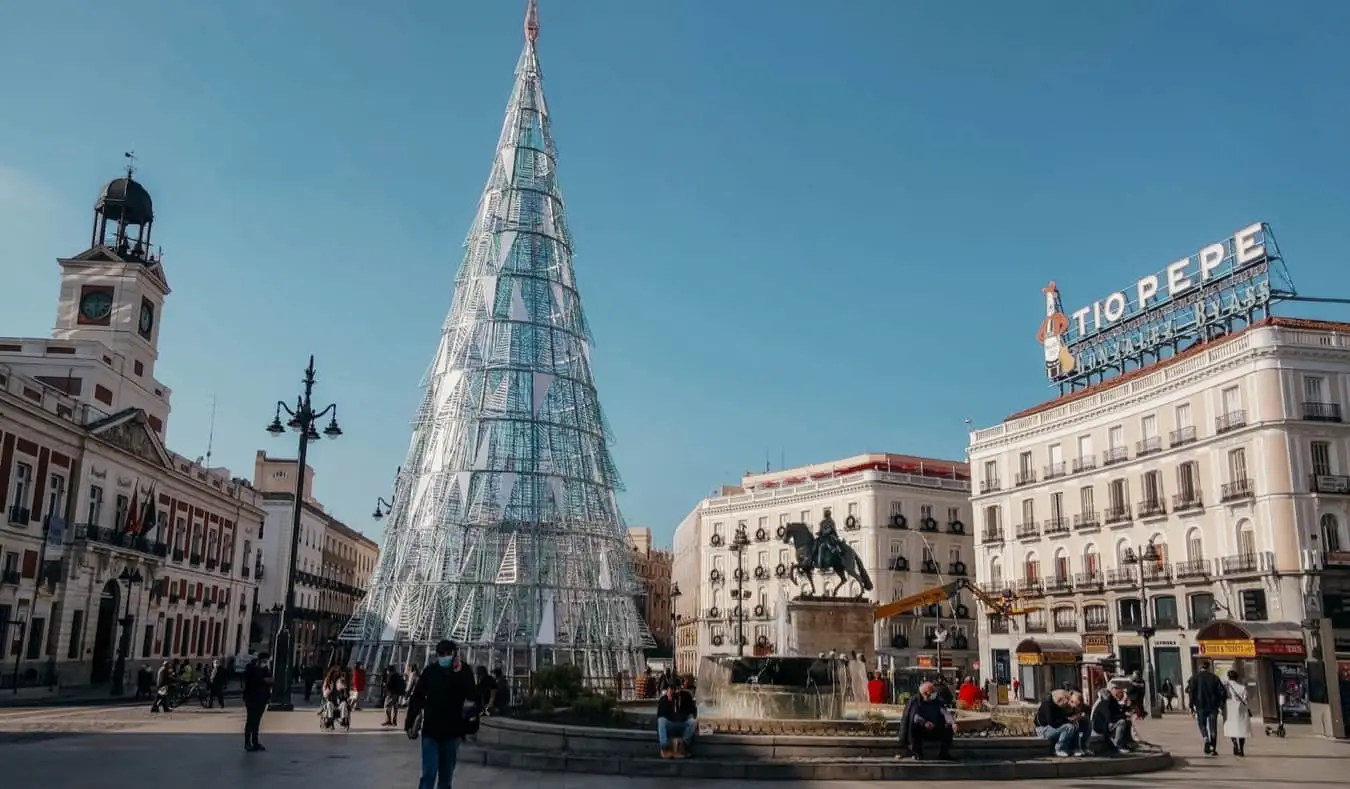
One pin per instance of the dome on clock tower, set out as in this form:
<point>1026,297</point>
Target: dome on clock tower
<point>123,217</point>
<point>125,200</point>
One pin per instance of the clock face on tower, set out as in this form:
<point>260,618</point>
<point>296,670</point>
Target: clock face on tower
<point>147,321</point>
<point>96,306</point>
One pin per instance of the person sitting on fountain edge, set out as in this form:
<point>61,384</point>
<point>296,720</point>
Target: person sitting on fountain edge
<point>925,718</point>
<point>677,711</point>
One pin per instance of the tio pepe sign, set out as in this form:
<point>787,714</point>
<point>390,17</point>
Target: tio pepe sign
<point>1223,280</point>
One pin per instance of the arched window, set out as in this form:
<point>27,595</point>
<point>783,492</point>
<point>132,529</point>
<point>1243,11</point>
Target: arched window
<point>1064,619</point>
<point>1092,561</point>
<point>996,573</point>
<point>1200,608</point>
<point>1122,552</point>
<point>1331,534</point>
<point>1096,618</point>
<point>1062,569</point>
<point>1031,567</point>
<point>1246,538</point>
<point>1195,546</point>
<point>1165,615</point>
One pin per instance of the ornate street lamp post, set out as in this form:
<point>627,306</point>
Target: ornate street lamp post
<point>130,577</point>
<point>738,544</point>
<point>1150,555</point>
<point>674,628</point>
<point>303,420</point>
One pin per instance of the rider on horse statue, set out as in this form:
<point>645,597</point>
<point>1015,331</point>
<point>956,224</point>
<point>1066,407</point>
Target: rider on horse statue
<point>827,543</point>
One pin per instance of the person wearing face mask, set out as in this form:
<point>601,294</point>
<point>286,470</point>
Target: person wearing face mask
<point>437,704</point>
<point>257,691</point>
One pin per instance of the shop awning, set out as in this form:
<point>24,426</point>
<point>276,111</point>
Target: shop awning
<point>1047,651</point>
<point>1227,638</point>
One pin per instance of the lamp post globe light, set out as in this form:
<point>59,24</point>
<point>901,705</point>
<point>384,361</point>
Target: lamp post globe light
<point>304,419</point>
<point>1150,555</point>
<point>674,628</point>
<point>130,577</point>
<point>738,544</point>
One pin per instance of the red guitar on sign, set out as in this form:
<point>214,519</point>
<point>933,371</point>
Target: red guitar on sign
<point>1058,360</point>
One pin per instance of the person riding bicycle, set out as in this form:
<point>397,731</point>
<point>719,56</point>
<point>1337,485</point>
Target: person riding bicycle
<point>337,696</point>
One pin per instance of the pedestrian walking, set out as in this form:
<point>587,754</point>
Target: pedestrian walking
<point>437,706</point>
<point>257,692</point>
<point>1237,716</point>
<point>215,685</point>
<point>393,690</point>
<point>163,681</point>
<point>1207,695</point>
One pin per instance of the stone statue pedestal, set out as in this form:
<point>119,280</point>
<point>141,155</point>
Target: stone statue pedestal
<point>825,625</point>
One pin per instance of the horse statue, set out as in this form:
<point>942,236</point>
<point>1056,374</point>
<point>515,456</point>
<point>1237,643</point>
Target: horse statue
<point>824,554</point>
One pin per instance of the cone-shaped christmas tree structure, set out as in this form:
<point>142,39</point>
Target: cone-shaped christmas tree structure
<point>504,533</point>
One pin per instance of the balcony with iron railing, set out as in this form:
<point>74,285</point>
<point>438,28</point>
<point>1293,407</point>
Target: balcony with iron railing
<point>1030,587</point>
<point>1058,584</point>
<point>1054,526</point>
<point>1321,412</point>
<point>116,538</point>
<point>930,567</point>
<point>1121,576</point>
<point>1086,520</point>
<point>1087,463</point>
<point>1065,625</point>
<point>1192,570</point>
<point>1238,489</point>
<point>1089,579</point>
<point>1187,501</point>
<point>1254,563</point>
<point>1055,470</point>
<point>1157,572</point>
<point>1329,484</point>
<point>1151,508</point>
<point>1115,455</point>
<point>1097,626</point>
<point>1181,437</point>
<point>992,534</point>
<point>1028,531</point>
<point>1225,423</point>
<point>1118,514</point>
<point>957,569</point>
<point>998,626</point>
<point>990,486</point>
<point>1148,446</point>
<point>1036,626</point>
<point>1024,477</point>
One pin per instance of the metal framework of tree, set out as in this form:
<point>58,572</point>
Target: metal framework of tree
<point>504,532</point>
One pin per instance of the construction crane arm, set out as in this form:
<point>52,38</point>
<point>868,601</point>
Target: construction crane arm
<point>1004,606</point>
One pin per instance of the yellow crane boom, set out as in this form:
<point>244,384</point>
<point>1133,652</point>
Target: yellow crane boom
<point>1004,605</point>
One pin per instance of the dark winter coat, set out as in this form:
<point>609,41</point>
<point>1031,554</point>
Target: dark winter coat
<point>676,707</point>
<point>439,697</point>
<point>1206,692</point>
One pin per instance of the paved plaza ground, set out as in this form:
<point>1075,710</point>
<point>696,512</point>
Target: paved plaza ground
<point>78,748</point>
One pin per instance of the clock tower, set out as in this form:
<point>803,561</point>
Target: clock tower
<point>113,292</point>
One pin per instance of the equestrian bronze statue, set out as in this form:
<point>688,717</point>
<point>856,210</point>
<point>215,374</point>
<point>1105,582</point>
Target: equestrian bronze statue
<point>824,552</point>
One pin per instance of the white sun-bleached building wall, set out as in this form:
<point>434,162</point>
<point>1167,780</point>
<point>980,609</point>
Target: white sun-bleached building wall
<point>874,490</point>
<point>1232,457</point>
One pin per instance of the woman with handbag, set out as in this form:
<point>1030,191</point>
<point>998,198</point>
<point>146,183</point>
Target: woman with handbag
<point>1237,716</point>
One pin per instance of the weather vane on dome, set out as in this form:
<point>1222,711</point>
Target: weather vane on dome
<point>130,156</point>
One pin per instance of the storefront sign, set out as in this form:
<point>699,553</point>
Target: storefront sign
<point>1280,647</point>
<point>1046,658</point>
<point>1097,643</point>
<point>930,661</point>
<point>1192,299</point>
<point>1233,648</point>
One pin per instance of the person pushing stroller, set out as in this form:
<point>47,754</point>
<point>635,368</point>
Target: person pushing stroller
<point>337,703</point>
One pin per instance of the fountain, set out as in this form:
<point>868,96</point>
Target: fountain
<point>779,687</point>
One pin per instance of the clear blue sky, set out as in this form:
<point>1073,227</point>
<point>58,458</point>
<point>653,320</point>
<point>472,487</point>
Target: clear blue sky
<point>810,228</point>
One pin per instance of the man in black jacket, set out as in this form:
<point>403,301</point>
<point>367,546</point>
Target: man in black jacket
<point>924,719</point>
<point>439,700</point>
<point>1111,729</point>
<point>257,692</point>
<point>676,721</point>
<point>1053,724</point>
<point>1207,697</point>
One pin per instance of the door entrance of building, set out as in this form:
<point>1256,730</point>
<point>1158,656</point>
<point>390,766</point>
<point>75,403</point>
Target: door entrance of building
<point>105,634</point>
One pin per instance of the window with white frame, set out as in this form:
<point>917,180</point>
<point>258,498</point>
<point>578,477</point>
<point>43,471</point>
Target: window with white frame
<point>1314,389</point>
<point>1115,437</point>
<point>1028,511</point>
<point>1237,464</point>
<point>925,511</point>
<point>1321,458</point>
<point>56,496</point>
<point>897,508</point>
<point>853,509</point>
<point>953,514</point>
<point>94,513</point>
<point>1148,426</point>
<point>21,488</point>
<point>991,518</point>
<point>990,472</point>
<point>1231,399</point>
<point>1183,415</point>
